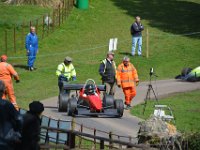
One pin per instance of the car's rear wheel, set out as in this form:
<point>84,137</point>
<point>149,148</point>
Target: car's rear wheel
<point>71,107</point>
<point>120,107</point>
<point>62,102</point>
<point>108,101</point>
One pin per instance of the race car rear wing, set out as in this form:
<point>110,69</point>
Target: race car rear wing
<point>67,86</point>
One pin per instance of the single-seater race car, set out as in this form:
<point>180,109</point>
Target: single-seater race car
<point>191,75</point>
<point>88,101</point>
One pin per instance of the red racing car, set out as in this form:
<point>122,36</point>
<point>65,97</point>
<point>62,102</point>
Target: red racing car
<point>88,101</point>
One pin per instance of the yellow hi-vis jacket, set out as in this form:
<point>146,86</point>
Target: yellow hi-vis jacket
<point>67,71</point>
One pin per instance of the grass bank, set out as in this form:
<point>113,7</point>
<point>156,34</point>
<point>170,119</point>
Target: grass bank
<point>185,108</point>
<point>85,35</point>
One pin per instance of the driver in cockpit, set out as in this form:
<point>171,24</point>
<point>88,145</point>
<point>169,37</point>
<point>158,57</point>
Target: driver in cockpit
<point>90,89</point>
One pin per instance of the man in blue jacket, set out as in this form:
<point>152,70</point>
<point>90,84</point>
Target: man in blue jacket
<point>31,47</point>
<point>136,32</point>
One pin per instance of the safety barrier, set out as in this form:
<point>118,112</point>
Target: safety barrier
<point>73,135</point>
<point>69,134</point>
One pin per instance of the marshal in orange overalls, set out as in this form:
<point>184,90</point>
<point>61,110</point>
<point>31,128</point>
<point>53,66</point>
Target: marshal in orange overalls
<point>126,78</point>
<point>6,73</point>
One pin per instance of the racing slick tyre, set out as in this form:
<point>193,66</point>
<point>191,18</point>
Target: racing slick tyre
<point>108,101</point>
<point>186,71</point>
<point>120,107</point>
<point>62,102</point>
<point>72,107</point>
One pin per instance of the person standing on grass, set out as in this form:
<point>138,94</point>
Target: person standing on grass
<point>6,74</point>
<point>31,47</point>
<point>136,32</point>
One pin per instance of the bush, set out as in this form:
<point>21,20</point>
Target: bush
<point>194,141</point>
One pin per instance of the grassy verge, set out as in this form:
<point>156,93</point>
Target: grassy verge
<point>185,108</point>
<point>13,15</point>
<point>85,35</point>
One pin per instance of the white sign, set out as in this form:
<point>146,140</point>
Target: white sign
<point>48,21</point>
<point>113,44</point>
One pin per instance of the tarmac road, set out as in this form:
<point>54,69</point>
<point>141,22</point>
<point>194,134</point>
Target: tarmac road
<point>128,124</point>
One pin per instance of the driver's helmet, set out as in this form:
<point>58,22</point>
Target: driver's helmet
<point>90,89</point>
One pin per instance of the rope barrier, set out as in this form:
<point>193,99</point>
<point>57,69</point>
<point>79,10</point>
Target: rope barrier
<point>102,46</point>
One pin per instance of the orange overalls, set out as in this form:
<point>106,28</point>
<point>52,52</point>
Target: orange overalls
<point>126,78</point>
<point>6,73</point>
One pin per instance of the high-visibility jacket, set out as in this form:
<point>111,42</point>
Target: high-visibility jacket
<point>126,75</point>
<point>195,72</point>
<point>67,71</point>
<point>7,71</point>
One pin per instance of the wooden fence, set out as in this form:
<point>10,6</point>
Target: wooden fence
<point>13,40</point>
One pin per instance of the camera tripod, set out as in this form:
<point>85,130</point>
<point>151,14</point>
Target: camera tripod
<point>148,94</point>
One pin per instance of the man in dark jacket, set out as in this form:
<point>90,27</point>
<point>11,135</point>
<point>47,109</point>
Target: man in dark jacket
<point>31,127</point>
<point>136,32</point>
<point>107,70</point>
<point>9,117</point>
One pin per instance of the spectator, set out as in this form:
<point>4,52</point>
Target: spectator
<point>31,48</point>
<point>136,32</point>
<point>31,127</point>
<point>6,73</point>
<point>126,78</point>
<point>9,123</point>
<point>107,70</point>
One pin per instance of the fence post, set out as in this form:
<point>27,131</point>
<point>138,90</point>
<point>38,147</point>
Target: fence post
<point>36,26</point>
<point>68,6</point>
<point>53,19</point>
<point>147,43</point>
<point>6,42</point>
<point>110,142</point>
<point>73,123</point>
<point>80,139</point>
<point>128,146</point>
<point>95,138</point>
<point>71,140</point>
<point>65,9</point>
<point>48,24</point>
<point>30,23</point>
<point>22,35</point>
<point>14,38</point>
<point>120,145</point>
<point>102,144</point>
<point>43,27</point>
<point>59,15</point>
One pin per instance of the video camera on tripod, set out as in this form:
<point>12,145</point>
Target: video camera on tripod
<point>152,72</point>
<point>150,88</point>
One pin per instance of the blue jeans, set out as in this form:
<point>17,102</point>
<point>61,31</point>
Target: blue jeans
<point>137,41</point>
<point>31,57</point>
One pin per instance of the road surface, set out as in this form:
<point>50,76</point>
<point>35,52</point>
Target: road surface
<point>128,124</point>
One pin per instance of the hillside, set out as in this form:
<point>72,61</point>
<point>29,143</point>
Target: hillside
<point>85,35</point>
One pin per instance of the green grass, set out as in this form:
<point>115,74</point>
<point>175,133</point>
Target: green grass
<point>18,16</point>
<point>185,108</point>
<point>15,15</point>
<point>85,35</point>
